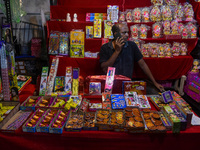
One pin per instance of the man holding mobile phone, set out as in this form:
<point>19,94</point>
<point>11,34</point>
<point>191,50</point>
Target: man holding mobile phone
<point>121,54</point>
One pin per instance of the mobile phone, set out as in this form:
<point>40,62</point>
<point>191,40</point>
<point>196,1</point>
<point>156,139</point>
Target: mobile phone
<point>118,34</point>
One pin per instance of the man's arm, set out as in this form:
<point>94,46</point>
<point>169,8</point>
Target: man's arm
<point>109,62</point>
<point>147,71</point>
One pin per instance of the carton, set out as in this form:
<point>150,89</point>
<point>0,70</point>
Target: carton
<point>59,130</point>
<point>104,124</point>
<point>119,116</point>
<point>16,121</point>
<point>11,113</point>
<point>134,86</point>
<point>180,116</point>
<point>134,129</point>
<point>45,102</point>
<point>39,127</point>
<point>29,107</point>
<point>81,120</point>
<point>26,127</point>
<point>88,119</point>
<point>175,121</point>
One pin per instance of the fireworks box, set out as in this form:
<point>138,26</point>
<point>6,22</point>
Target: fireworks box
<point>192,87</point>
<point>45,102</point>
<point>9,113</point>
<point>46,120</point>
<point>134,86</point>
<point>118,101</point>
<point>117,86</point>
<point>192,94</point>
<point>95,106</point>
<point>89,121</point>
<point>23,83</point>
<point>33,121</point>
<point>117,120</point>
<point>180,116</point>
<point>59,122</point>
<point>186,112</point>
<point>174,120</point>
<point>165,121</point>
<point>71,122</point>
<point>16,121</point>
<point>102,119</point>
<point>29,103</point>
<point>106,101</point>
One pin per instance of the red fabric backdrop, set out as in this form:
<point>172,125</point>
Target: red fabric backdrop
<point>161,68</point>
<point>104,3</point>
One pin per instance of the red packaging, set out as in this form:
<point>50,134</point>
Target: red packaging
<point>36,44</point>
<point>117,86</point>
<point>135,86</point>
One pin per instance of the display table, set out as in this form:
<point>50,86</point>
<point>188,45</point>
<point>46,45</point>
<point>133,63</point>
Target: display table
<point>188,139</point>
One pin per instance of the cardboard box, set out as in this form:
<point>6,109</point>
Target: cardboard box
<point>118,79</point>
<point>81,119</point>
<point>89,117</point>
<point>186,113</point>
<point>59,102</point>
<point>34,117</point>
<point>134,129</point>
<point>155,99</point>
<point>45,102</point>
<point>118,101</point>
<point>165,121</point>
<point>16,121</point>
<point>131,98</point>
<point>134,86</point>
<point>29,107</point>
<point>45,129</point>
<point>182,119</point>
<point>153,122</point>
<point>100,124</point>
<point>59,130</point>
<point>193,87</point>
<point>192,94</point>
<point>43,81</point>
<point>119,124</point>
<point>175,121</point>
<point>23,84</point>
<point>95,106</point>
<point>143,102</point>
<point>11,113</point>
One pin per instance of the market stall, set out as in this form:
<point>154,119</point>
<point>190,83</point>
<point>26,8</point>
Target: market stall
<point>78,108</point>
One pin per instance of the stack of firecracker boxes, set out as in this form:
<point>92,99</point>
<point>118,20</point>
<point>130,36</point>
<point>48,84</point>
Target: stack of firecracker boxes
<point>192,86</point>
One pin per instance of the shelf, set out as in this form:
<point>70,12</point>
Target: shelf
<point>79,22</point>
<point>92,96</point>
<point>67,57</point>
<point>164,39</point>
<point>26,58</point>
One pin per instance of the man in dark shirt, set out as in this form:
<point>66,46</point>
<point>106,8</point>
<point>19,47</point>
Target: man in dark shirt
<point>121,54</point>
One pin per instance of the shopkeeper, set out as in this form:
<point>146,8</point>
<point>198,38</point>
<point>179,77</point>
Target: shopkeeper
<point>121,54</point>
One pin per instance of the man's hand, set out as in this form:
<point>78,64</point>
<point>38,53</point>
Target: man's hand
<point>159,86</point>
<point>118,44</point>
